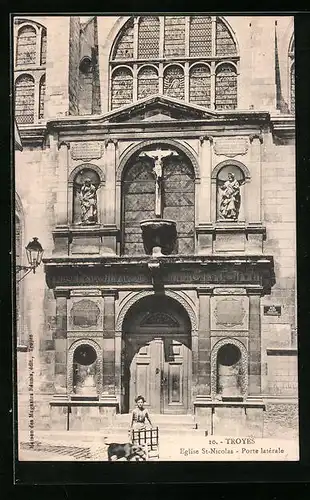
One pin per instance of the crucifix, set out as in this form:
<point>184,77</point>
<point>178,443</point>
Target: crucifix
<point>158,156</point>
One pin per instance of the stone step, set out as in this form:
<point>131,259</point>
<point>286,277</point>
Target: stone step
<point>85,438</point>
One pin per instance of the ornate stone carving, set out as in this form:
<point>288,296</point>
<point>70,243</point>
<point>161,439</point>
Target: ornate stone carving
<point>256,136</point>
<point>129,152</point>
<point>203,138</point>
<point>229,312</point>
<point>229,291</point>
<point>90,150</point>
<point>86,292</point>
<point>231,146</point>
<point>243,367</point>
<point>85,314</point>
<point>145,293</point>
<point>110,141</point>
<point>159,318</point>
<point>63,143</point>
<point>98,350</point>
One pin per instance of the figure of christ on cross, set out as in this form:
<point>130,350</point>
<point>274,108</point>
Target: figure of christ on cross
<point>158,156</point>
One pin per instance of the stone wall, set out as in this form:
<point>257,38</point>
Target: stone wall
<point>74,60</point>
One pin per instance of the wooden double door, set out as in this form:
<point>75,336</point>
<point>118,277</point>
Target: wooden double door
<point>160,370</point>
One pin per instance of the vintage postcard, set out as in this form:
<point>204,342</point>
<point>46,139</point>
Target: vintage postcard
<point>155,227</point>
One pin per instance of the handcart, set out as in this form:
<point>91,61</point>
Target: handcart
<point>148,438</point>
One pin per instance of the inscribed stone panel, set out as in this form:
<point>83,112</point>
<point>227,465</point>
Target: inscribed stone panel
<point>229,313</point>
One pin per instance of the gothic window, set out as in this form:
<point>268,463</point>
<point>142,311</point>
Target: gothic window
<point>24,99</point>
<point>85,202</point>
<point>202,54</point>
<point>26,46</point>
<point>138,199</point>
<point>174,82</point>
<point>148,41</point>
<point>200,36</point>
<point>42,97</point>
<point>230,193</point>
<point>225,44</point>
<point>124,45</point>
<point>199,85</point>
<point>226,87</point>
<point>174,36</point>
<point>30,61</point>
<point>122,87</point>
<point>147,82</point>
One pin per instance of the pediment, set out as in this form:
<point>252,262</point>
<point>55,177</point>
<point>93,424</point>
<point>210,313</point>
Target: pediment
<point>158,109</point>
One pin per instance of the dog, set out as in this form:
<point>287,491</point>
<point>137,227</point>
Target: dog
<point>126,452</point>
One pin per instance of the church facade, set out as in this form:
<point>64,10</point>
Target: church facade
<point>158,172</point>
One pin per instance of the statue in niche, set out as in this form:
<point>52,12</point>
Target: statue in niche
<point>231,199</point>
<point>88,201</point>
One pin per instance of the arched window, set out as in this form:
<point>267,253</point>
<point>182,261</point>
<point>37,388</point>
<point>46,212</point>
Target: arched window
<point>41,97</point>
<point>26,46</point>
<point>178,198</point>
<point>184,52</point>
<point>226,87</point>
<point>122,87</point>
<point>291,63</point>
<point>174,82</point>
<point>147,82</point>
<point>200,85</point>
<point>24,99</point>
<point>30,61</point>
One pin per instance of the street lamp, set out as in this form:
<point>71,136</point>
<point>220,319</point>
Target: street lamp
<point>34,253</point>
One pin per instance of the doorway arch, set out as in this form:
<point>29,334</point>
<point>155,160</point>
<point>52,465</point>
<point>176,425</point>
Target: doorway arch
<point>157,355</point>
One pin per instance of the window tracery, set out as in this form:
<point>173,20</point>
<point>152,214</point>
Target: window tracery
<point>202,58</point>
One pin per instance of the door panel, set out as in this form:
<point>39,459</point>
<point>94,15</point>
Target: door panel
<point>176,375</point>
<point>140,376</point>
<point>160,371</point>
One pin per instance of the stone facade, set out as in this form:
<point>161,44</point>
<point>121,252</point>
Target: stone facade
<point>224,347</point>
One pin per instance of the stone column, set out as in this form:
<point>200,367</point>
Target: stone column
<point>254,348</point>
<point>118,363</point>
<point>254,187</point>
<point>204,343</point>
<point>62,189</point>
<point>204,196</point>
<point>60,338</point>
<point>110,167</point>
<point>109,217</point>
<point>108,344</point>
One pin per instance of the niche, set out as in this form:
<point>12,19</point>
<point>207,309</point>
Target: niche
<point>85,201</point>
<point>85,377</point>
<point>229,372</point>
